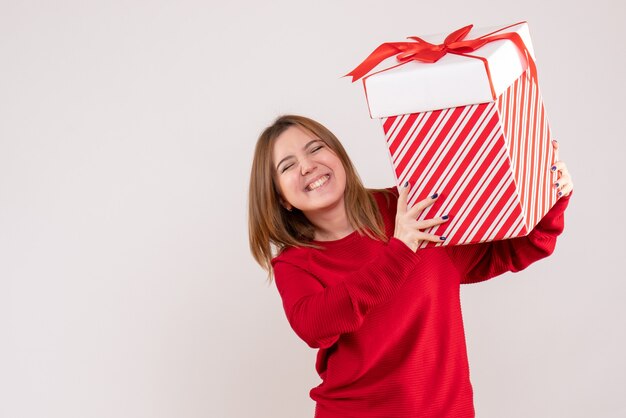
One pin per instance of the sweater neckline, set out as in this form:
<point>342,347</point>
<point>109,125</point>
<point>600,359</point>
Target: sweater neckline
<point>339,241</point>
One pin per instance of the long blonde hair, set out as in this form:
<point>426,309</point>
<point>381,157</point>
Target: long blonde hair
<point>273,228</point>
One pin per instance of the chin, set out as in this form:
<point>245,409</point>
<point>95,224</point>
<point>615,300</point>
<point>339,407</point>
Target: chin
<point>328,201</point>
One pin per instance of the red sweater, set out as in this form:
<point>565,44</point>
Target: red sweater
<point>387,321</point>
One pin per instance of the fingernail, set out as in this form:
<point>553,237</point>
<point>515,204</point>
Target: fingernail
<point>556,184</point>
<point>406,184</point>
<point>555,141</point>
<point>560,193</point>
<point>434,196</point>
<point>553,168</point>
<point>444,217</point>
<point>442,238</point>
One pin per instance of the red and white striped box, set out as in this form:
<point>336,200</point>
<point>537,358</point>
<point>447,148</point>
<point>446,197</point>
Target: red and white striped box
<point>488,159</point>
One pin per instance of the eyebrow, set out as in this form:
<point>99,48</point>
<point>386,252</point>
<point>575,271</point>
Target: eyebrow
<point>308,144</point>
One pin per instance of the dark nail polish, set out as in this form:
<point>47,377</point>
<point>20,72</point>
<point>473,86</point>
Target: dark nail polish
<point>442,238</point>
<point>406,184</point>
<point>556,184</point>
<point>434,196</point>
<point>560,193</point>
<point>444,217</point>
<point>553,168</point>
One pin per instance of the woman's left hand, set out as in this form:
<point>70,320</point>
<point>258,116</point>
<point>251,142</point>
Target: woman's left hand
<point>563,184</point>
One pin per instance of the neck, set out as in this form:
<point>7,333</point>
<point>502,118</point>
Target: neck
<point>331,223</point>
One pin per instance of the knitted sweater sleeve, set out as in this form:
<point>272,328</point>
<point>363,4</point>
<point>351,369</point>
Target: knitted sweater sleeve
<point>319,314</point>
<point>479,262</point>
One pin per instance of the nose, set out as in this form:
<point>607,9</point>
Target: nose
<point>307,166</point>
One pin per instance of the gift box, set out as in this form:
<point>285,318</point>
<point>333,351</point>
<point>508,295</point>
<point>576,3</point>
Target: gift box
<point>463,117</point>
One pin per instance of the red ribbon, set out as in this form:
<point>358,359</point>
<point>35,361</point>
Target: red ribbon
<point>424,51</point>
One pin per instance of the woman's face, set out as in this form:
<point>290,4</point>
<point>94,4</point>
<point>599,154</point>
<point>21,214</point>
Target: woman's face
<point>309,175</point>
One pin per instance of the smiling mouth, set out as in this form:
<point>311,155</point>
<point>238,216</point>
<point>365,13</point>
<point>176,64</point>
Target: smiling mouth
<point>317,183</point>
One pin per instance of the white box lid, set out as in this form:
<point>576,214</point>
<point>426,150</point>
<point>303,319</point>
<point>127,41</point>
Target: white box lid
<point>454,80</point>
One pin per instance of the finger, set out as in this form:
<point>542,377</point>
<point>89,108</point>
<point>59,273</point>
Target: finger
<point>428,223</point>
<point>562,179</point>
<point>567,189</point>
<point>555,146</point>
<point>560,187</point>
<point>564,187</point>
<point>422,204</point>
<point>560,166</point>
<point>561,183</point>
<point>431,237</point>
<point>403,195</point>
<point>562,175</point>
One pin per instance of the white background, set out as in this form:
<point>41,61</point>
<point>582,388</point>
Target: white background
<point>126,134</point>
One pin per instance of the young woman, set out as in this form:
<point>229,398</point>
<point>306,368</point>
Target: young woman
<point>385,317</point>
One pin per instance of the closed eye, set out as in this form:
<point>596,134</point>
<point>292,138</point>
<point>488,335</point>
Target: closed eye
<point>286,167</point>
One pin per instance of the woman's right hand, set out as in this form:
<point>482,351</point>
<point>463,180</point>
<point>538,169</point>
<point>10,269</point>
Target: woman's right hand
<point>408,228</point>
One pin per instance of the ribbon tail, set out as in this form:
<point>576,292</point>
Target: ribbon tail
<point>380,54</point>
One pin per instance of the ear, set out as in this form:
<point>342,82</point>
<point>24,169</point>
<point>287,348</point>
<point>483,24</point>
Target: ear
<point>285,204</point>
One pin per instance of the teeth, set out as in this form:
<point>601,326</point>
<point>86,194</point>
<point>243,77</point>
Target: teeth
<point>317,183</point>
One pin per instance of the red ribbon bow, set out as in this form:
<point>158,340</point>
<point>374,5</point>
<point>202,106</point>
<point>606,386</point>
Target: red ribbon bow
<point>424,51</point>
